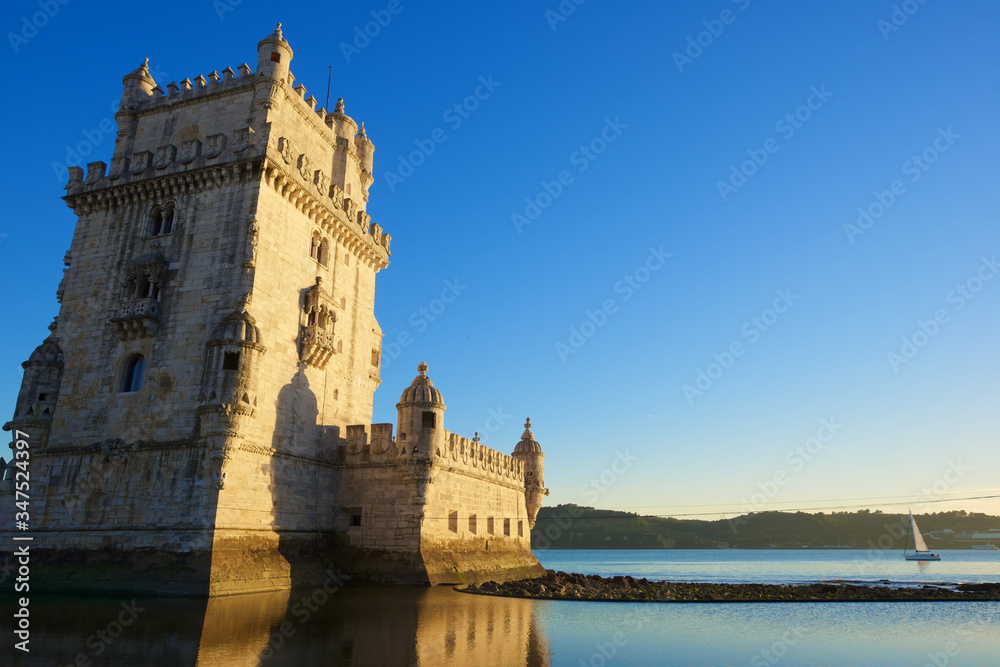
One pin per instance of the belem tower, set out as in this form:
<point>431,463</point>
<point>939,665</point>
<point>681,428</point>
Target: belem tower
<point>199,419</point>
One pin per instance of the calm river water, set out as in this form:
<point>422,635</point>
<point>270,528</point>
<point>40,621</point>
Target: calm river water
<point>437,626</point>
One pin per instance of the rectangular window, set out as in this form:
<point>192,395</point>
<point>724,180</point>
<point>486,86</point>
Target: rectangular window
<point>231,361</point>
<point>520,529</point>
<point>374,357</point>
<point>453,521</point>
<point>506,527</point>
<point>472,524</point>
<point>489,525</point>
<point>355,519</point>
<point>427,420</point>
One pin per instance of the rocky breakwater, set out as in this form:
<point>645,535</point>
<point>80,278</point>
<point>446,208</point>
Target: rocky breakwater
<point>590,587</point>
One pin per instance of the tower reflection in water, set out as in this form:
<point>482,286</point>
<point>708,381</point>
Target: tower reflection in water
<point>406,627</point>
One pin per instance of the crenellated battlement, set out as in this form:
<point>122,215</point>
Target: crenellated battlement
<point>188,134</point>
<point>338,129</point>
<point>375,444</point>
<point>472,457</point>
<point>191,90</point>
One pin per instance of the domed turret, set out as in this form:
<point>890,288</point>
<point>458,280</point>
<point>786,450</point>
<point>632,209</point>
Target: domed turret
<point>273,55</point>
<point>36,401</point>
<point>48,352</point>
<point>137,85</point>
<point>528,444</point>
<point>238,327</point>
<point>420,416</point>
<point>421,391</point>
<point>529,452</point>
<point>365,149</point>
<point>342,124</point>
<point>231,358</point>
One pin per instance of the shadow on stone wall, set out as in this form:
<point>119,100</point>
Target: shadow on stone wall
<point>302,489</point>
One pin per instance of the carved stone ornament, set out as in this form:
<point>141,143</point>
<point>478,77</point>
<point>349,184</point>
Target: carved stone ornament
<point>350,208</point>
<point>355,438</point>
<point>243,139</point>
<point>141,162</point>
<point>320,180</point>
<point>250,254</point>
<point>164,156</point>
<point>119,165</point>
<point>215,144</point>
<point>285,148</point>
<point>381,438</point>
<point>304,167</point>
<point>337,195</point>
<point>190,150</point>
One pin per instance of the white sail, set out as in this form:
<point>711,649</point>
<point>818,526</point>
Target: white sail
<point>918,539</point>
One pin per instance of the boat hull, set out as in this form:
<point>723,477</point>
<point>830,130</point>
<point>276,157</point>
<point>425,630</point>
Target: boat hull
<point>922,556</point>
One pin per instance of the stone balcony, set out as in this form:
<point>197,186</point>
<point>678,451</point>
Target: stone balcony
<point>137,318</point>
<point>317,346</point>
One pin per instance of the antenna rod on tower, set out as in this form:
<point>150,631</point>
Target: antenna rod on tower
<point>329,78</point>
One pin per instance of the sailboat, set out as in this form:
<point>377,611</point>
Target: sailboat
<point>920,550</point>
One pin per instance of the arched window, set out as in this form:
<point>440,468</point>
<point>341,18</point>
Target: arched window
<point>128,289</point>
<point>161,220</point>
<point>314,246</point>
<point>132,377</point>
<point>168,219</point>
<point>311,319</point>
<point>148,289</point>
<point>156,221</point>
<point>322,318</point>
<point>324,252</point>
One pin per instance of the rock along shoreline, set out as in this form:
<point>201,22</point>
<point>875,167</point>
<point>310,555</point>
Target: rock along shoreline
<point>593,588</point>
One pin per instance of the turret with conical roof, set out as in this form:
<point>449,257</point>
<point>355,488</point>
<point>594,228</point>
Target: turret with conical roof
<point>529,452</point>
<point>36,401</point>
<point>273,55</point>
<point>420,416</point>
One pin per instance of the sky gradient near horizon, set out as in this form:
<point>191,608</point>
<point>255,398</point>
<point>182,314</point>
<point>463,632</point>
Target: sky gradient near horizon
<point>713,250</point>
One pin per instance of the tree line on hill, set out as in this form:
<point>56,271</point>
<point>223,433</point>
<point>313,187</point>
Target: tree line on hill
<point>576,527</point>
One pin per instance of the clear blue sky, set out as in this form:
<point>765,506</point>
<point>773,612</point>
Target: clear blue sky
<point>642,138</point>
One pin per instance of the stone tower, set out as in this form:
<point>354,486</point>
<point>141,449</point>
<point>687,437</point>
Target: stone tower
<point>529,452</point>
<point>421,415</point>
<point>203,405</point>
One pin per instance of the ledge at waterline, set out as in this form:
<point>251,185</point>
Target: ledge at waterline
<point>593,588</point>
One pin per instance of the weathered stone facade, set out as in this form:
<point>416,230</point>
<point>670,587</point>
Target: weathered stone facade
<point>199,419</point>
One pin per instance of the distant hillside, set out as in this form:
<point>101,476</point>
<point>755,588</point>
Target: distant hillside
<point>576,527</point>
